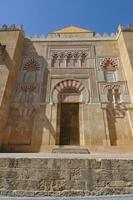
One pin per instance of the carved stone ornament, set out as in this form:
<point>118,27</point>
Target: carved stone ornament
<point>109,64</point>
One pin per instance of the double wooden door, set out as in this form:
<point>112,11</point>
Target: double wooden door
<point>69,124</point>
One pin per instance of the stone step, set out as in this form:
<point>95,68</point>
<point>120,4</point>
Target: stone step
<point>70,150</point>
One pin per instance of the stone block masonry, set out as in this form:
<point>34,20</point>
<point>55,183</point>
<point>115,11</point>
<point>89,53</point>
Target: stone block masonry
<point>69,176</point>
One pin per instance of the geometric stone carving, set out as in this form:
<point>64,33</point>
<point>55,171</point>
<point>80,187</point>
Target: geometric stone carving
<point>70,58</point>
<point>28,88</point>
<point>69,84</point>
<point>31,65</point>
<point>109,64</point>
<point>77,89</point>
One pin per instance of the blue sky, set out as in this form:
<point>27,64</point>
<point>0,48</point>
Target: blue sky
<point>43,16</point>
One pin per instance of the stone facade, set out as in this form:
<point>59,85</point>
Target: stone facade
<point>85,76</point>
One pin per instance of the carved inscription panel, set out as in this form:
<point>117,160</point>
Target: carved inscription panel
<point>30,83</point>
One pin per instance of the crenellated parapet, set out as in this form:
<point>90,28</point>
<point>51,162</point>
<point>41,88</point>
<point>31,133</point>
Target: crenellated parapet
<point>81,36</point>
<point>97,36</point>
<point>124,28</point>
<point>12,27</point>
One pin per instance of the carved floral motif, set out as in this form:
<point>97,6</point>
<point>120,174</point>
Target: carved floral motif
<point>69,84</point>
<point>28,88</point>
<point>31,65</point>
<point>109,64</point>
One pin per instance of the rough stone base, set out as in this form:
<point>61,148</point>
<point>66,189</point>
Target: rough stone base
<point>56,176</point>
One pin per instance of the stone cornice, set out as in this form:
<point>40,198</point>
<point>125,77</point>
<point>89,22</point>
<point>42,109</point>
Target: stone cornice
<point>75,39</point>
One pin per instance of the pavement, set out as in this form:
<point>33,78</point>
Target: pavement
<point>112,197</point>
<point>125,156</point>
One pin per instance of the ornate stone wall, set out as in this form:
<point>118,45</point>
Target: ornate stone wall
<point>89,70</point>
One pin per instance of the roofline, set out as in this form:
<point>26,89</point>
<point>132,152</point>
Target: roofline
<point>85,30</point>
<point>71,32</point>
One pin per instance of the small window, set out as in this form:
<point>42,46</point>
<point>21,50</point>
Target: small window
<point>109,76</point>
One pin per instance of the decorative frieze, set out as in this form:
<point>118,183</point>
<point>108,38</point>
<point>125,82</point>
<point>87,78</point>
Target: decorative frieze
<point>70,90</point>
<point>72,57</point>
<point>69,84</point>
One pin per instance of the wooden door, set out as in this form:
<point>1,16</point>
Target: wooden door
<point>69,124</point>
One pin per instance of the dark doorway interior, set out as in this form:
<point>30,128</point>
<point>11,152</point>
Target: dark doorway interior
<point>69,124</point>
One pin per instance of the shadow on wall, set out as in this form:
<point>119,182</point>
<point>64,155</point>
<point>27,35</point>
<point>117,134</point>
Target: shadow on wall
<point>113,112</point>
<point>28,121</point>
<point>6,83</point>
<point>6,63</point>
